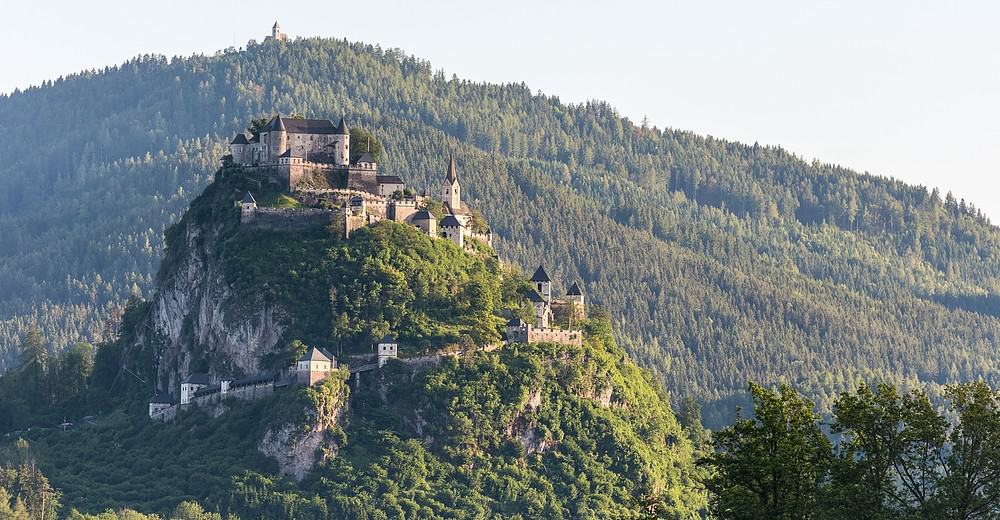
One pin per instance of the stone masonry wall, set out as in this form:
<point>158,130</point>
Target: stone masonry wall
<point>291,218</point>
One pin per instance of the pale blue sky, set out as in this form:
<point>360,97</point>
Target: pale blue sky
<point>908,89</point>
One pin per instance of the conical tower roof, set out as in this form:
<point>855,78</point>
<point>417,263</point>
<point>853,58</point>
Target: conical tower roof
<point>342,128</point>
<point>276,124</point>
<point>248,199</point>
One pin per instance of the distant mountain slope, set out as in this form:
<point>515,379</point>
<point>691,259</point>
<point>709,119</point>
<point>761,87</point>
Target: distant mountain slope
<point>720,261</point>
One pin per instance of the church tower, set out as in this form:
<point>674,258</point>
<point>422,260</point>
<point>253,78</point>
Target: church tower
<point>276,33</point>
<point>451,192</point>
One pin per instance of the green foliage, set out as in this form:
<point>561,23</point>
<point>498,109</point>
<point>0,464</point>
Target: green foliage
<point>362,142</point>
<point>720,261</point>
<point>521,432</point>
<point>772,465</point>
<point>388,278</point>
<point>896,457</point>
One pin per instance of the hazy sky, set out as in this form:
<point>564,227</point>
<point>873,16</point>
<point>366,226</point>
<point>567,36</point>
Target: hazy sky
<point>908,89</point>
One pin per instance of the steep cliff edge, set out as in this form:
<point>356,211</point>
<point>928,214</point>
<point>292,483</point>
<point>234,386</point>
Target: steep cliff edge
<point>313,429</point>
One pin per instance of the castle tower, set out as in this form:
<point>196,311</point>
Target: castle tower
<point>342,144</point>
<point>543,311</point>
<point>542,283</point>
<point>452,228</point>
<point>451,192</point>
<point>574,296</point>
<point>275,139</point>
<point>387,349</point>
<point>238,146</point>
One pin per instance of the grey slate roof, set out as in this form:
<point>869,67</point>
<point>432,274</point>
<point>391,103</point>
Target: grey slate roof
<point>365,157</point>
<point>197,379</point>
<point>161,398</point>
<point>535,297</point>
<point>314,354</point>
<point>540,275</point>
<point>389,179</point>
<point>302,126</point>
<point>240,138</point>
<point>342,128</point>
<point>574,290</point>
<point>515,322</point>
<point>452,175</point>
<point>450,221</point>
<point>263,377</point>
<point>423,215</point>
<point>288,153</point>
<point>387,339</point>
<point>248,198</point>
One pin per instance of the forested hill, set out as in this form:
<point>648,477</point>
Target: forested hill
<point>720,261</point>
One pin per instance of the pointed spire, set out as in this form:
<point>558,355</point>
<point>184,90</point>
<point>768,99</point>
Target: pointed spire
<point>248,199</point>
<point>452,176</point>
<point>342,128</point>
<point>574,290</point>
<point>276,26</point>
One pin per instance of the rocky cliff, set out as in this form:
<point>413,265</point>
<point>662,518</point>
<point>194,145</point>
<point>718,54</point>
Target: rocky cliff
<point>314,432</point>
<point>198,320</point>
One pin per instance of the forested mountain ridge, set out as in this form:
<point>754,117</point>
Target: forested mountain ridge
<point>721,262</point>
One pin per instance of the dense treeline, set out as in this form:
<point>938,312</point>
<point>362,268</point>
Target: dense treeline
<point>719,261</point>
<point>893,456</point>
<point>539,431</point>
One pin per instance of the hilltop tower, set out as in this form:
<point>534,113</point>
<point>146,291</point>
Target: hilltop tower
<point>451,192</point>
<point>276,33</point>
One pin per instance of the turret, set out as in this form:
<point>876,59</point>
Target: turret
<point>453,231</point>
<point>237,147</point>
<point>451,192</point>
<point>342,144</point>
<point>274,138</point>
<point>574,297</point>
<point>542,283</point>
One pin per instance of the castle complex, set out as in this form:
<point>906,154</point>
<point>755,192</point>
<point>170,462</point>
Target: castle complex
<point>310,161</point>
<point>543,330</point>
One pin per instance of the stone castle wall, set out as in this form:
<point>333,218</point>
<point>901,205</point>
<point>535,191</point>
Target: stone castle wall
<point>565,337</point>
<point>291,218</point>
